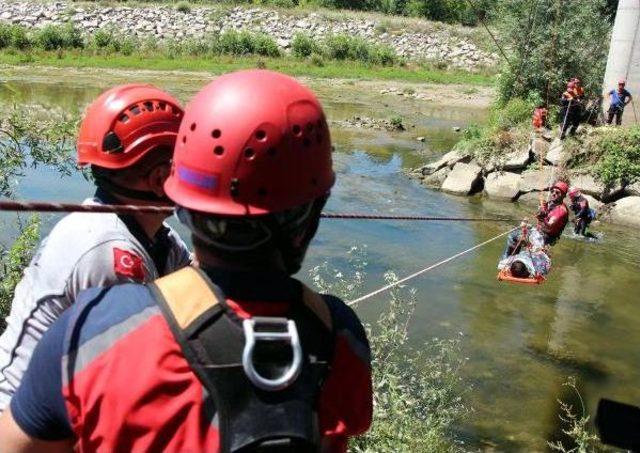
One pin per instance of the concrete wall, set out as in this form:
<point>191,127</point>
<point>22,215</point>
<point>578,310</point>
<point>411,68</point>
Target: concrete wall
<point>624,57</point>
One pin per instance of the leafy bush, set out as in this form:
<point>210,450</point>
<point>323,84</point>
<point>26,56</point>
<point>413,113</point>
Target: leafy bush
<point>183,7</point>
<point>265,45</point>
<point>13,260</point>
<point>384,55</point>
<point>103,38</point>
<point>516,112</point>
<point>129,46</point>
<point>417,392</point>
<point>5,35</point>
<point>19,38</point>
<point>245,43</point>
<point>72,37</point>
<point>50,37</point>
<point>303,45</point>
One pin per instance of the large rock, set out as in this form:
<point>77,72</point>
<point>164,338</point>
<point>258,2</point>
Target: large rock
<point>633,189</point>
<point>448,160</point>
<point>505,186</point>
<point>537,179</point>
<point>532,198</point>
<point>517,160</point>
<point>591,186</point>
<point>436,179</point>
<point>556,154</point>
<point>626,211</point>
<point>464,179</point>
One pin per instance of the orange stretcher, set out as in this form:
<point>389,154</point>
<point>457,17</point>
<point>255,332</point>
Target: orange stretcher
<point>505,276</point>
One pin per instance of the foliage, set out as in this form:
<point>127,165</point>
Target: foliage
<point>396,122</point>
<point>303,45</point>
<point>245,43</point>
<point>12,262</point>
<point>183,7</point>
<point>14,36</point>
<point>548,42</point>
<point>53,37</point>
<point>346,47</point>
<point>417,393</point>
<point>577,427</point>
<point>612,154</point>
<point>29,139</point>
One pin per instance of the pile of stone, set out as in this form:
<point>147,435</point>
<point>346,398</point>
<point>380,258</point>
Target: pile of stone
<point>518,177</point>
<point>165,22</point>
<point>365,122</point>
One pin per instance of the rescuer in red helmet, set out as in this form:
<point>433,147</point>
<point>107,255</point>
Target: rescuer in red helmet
<point>127,136</point>
<point>584,215</point>
<point>552,219</point>
<point>571,103</point>
<point>235,355</point>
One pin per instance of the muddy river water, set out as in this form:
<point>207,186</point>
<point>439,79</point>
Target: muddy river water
<point>521,342</point>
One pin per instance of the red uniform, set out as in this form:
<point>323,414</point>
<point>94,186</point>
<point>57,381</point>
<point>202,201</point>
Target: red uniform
<point>555,218</point>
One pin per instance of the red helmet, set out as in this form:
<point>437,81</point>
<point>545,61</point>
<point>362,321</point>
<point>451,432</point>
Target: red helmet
<point>252,142</point>
<point>561,186</point>
<point>125,123</point>
<point>574,192</point>
<point>571,85</point>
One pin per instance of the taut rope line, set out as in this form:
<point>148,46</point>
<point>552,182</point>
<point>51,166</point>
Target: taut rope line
<point>427,269</point>
<point>38,206</point>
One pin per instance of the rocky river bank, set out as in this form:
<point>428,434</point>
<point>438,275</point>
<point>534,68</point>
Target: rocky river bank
<point>518,177</point>
<point>423,41</point>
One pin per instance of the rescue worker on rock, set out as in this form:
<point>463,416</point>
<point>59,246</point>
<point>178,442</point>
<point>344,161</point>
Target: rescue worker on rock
<point>127,136</point>
<point>540,115</point>
<point>579,89</point>
<point>235,355</point>
<point>552,216</point>
<point>618,101</point>
<point>571,110</point>
<point>580,207</point>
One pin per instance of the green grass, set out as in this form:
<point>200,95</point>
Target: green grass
<point>330,69</point>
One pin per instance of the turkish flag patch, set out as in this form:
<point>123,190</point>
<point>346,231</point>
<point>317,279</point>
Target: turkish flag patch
<point>128,264</point>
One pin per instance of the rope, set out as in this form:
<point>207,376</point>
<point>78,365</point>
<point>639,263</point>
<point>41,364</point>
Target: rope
<point>427,269</point>
<point>6,205</point>
<point>495,41</point>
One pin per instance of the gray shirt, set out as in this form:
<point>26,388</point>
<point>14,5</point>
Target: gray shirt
<point>82,251</point>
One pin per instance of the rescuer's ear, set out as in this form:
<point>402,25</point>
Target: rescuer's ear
<point>157,177</point>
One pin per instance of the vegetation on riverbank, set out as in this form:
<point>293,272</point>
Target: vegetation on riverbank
<point>338,56</point>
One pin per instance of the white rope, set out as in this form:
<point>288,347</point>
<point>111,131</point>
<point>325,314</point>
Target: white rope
<point>433,266</point>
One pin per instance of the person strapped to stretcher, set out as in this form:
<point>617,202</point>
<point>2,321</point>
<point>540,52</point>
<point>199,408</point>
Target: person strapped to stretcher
<point>529,261</point>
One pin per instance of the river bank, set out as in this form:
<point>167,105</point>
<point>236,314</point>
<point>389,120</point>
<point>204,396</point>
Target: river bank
<point>525,176</point>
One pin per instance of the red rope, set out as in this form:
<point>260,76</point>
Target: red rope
<point>40,206</point>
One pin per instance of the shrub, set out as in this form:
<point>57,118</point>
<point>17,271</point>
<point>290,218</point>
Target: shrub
<point>183,7</point>
<point>13,260</point>
<point>196,47</point>
<point>5,35</point>
<point>265,46</point>
<point>337,47</point>
<point>103,38</point>
<point>303,45</point>
<point>384,55</point>
<point>517,111</point>
<point>129,46</point>
<point>245,43</point>
<point>72,37</point>
<point>50,37</point>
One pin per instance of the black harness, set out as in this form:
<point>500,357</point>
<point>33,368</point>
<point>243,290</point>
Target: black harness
<point>252,417</point>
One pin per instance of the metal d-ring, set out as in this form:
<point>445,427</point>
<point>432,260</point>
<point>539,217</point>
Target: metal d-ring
<point>251,337</point>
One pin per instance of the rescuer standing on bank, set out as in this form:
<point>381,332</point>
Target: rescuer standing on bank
<point>127,136</point>
<point>618,101</point>
<point>235,355</point>
<point>571,110</point>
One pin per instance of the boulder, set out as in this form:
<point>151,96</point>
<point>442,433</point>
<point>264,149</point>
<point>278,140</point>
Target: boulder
<point>502,185</point>
<point>626,211</point>
<point>531,198</point>
<point>539,146</point>
<point>449,159</point>
<point>556,154</point>
<point>517,160</point>
<point>537,179</point>
<point>633,189</point>
<point>464,179</point>
<point>591,186</point>
<point>436,179</point>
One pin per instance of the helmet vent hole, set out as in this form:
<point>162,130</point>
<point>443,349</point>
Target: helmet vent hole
<point>297,130</point>
<point>262,191</point>
<point>218,150</point>
<point>123,118</point>
<point>184,139</point>
<point>135,110</point>
<point>216,133</point>
<point>149,106</point>
<point>249,153</point>
<point>306,142</point>
<point>193,127</point>
<point>261,135</point>
<point>111,143</point>
<point>162,106</point>
<point>272,151</point>
<point>176,111</point>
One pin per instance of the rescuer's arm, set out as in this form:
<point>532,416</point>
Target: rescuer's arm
<point>346,399</point>
<point>15,440</point>
<point>37,418</point>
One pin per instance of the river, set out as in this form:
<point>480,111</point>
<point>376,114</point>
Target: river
<point>521,342</point>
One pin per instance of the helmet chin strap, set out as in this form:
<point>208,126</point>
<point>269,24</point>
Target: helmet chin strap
<point>142,195</point>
